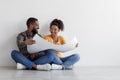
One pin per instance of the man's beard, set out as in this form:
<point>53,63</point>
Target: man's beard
<point>34,31</point>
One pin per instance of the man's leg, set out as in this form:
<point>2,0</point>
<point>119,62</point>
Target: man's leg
<point>19,58</point>
<point>56,59</point>
<point>70,60</point>
<point>48,57</point>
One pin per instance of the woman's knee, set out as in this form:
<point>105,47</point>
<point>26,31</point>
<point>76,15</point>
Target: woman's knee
<point>76,56</point>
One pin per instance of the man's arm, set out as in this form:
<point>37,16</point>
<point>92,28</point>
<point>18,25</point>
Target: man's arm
<point>23,42</point>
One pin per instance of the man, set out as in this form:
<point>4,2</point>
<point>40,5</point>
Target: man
<point>36,61</point>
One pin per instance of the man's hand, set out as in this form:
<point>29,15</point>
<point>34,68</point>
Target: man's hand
<point>29,41</point>
<point>34,55</point>
<point>76,45</point>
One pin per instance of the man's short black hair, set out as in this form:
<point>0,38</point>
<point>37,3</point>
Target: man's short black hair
<point>30,21</point>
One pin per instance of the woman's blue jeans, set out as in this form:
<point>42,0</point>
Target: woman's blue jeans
<point>70,60</point>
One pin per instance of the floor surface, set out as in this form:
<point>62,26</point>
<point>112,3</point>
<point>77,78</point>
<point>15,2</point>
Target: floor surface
<point>78,73</point>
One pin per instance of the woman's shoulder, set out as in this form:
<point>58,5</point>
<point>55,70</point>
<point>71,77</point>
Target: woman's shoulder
<point>47,37</point>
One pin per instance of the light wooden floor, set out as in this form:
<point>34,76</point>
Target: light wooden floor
<point>78,73</point>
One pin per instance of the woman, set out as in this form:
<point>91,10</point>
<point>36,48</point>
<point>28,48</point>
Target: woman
<point>55,27</point>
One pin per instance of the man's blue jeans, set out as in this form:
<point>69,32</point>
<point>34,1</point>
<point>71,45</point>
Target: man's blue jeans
<point>48,57</point>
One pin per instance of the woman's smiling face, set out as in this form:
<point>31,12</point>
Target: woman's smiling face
<point>54,30</point>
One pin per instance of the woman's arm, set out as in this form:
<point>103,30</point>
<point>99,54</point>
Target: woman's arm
<point>63,41</point>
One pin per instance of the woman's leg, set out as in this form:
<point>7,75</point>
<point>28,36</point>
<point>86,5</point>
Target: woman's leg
<point>70,60</point>
<point>19,58</point>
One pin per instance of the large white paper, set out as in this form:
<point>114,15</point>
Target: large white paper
<point>42,44</point>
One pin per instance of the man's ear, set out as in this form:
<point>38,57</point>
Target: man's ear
<point>31,26</point>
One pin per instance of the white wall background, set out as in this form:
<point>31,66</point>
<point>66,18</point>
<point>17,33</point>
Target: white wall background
<point>96,23</point>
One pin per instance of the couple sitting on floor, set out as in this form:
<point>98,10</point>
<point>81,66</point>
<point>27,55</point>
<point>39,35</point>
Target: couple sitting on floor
<point>43,60</point>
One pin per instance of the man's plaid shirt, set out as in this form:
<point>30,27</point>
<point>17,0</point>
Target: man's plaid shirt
<point>20,42</point>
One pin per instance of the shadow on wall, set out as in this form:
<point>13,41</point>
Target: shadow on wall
<point>8,42</point>
<point>6,47</point>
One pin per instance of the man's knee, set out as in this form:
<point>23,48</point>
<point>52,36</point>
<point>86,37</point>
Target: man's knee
<point>50,51</point>
<point>13,53</point>
<point>51,54</point>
